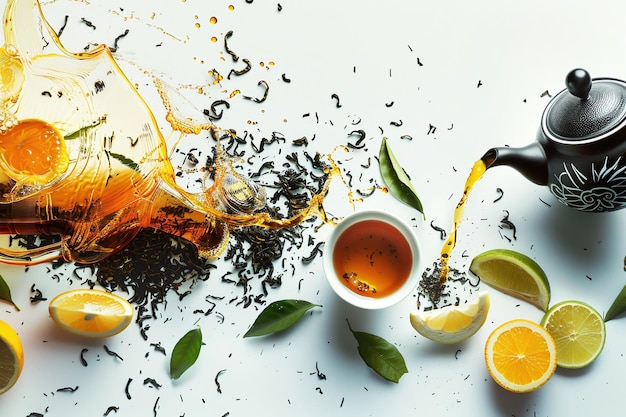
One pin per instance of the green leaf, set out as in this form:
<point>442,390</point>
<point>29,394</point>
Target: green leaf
<point>83,130</point>
<point>618,306</point>
<point>124,160</point>
<point>383,357</point>
<point>5,293</point>
<point>185,353</point>
<point>395,178</point>
<point>278,316</point>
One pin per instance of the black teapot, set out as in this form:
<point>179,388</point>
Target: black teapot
<point>580,152</point>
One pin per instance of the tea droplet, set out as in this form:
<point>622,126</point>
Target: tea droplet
<point>231,7</point>
<point>213,20</point>
<point>213,39</point>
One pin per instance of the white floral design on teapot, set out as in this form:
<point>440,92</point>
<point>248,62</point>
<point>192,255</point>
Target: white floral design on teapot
<point>603,190</point>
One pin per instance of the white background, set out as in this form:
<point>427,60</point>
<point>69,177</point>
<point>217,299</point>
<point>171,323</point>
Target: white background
<point>485,67</point>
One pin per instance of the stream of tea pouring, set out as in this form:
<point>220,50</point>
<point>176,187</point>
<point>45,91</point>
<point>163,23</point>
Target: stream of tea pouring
<point>476,173</point>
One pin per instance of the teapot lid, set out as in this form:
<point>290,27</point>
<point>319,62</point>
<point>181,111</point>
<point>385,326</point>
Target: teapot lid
<point>587,108</point>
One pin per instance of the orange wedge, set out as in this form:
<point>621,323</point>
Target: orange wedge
<point>11,357</point>
<point>91,313</point>
<point>520,355</point>
<point>33,152</point>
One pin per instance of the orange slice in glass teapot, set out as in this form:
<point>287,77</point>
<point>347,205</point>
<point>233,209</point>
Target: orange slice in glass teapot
<point>33,152</point>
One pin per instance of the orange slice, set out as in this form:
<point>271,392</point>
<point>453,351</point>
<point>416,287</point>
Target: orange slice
<point>11,357</point>
<point>91,313</point>
<point>33,152</point>
<point>520,355</point>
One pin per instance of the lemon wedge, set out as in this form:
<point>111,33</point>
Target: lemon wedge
<point>452,324</point>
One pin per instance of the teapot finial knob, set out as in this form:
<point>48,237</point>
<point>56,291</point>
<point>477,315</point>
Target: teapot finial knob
<point>578,83</point>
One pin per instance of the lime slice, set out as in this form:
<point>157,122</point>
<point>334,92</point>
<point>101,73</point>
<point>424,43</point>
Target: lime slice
<point>578,330</point>
<point>452,324</point>
<point>513,273</point>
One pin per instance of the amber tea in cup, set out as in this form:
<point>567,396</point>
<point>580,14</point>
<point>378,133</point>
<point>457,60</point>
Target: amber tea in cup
<point>371,259</point>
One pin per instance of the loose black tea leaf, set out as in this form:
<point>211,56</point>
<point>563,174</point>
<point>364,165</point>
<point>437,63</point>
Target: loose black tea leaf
<point>380,355</point>
<point>111,353</point>
<point>155,407</point>
<point>111,408</point>
<point>242,71</point>
<point>618,306</point>
<point>396,179</point>
<point>68,389</point>
<point>5,293</point>
<point>337,101</point>
<point>88,23</point>
<point>83,361</point>
<point>62,28</point>
<point>152,382</point>
<point>264,97</point>
<point>117,39</point>
<point>185,352</point>
<point>127,388</point>
<point>217,383</point>
<point>278,316</point>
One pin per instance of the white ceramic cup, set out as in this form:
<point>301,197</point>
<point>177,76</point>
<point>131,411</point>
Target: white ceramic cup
<point>336,280</point>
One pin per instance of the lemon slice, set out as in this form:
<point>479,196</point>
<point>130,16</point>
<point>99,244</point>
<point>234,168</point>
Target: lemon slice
<point>452,324</point>
<point>578,330</point>
<point>513,273</point>
<point>520,355</point>
<point>91,313</point>
<point>11,357</point>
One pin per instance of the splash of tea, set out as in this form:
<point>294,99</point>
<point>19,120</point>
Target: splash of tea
<point>82,156</point>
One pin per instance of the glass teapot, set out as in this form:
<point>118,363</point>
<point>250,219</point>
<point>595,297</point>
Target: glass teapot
<point>580,151</point>
<point>83,159</point>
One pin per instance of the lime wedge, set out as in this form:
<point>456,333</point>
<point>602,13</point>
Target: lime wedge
<point>578,330</point>
<point>452,324</point>
<point>513,273</point>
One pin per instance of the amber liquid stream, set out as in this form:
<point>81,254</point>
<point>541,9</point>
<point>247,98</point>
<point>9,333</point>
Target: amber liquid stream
<point>478,169</point>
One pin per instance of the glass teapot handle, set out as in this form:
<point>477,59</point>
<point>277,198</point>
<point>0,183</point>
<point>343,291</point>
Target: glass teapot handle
<point>10,255</point>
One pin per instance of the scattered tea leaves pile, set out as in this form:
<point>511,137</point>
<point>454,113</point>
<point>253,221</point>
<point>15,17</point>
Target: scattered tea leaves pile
<point>155,263</point>
<point>434,295</point>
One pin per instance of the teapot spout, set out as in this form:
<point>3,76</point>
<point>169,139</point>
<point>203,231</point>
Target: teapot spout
<point>530,161</point>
